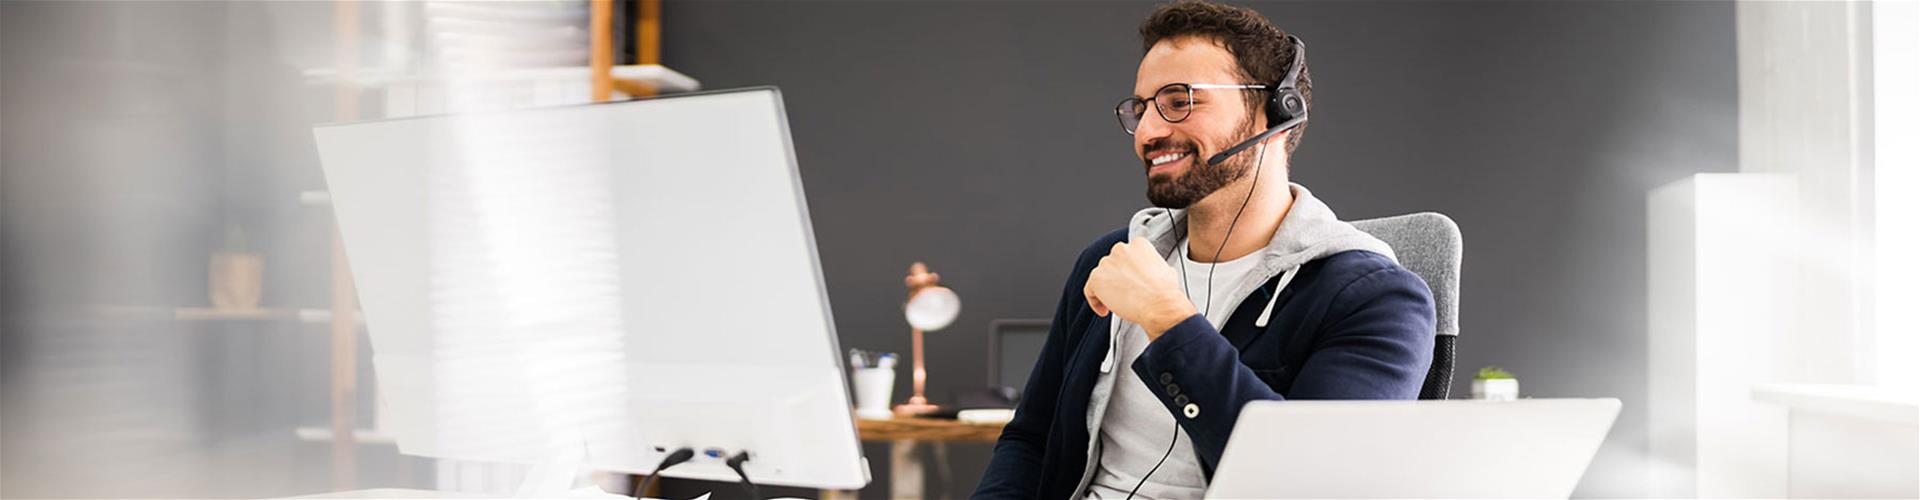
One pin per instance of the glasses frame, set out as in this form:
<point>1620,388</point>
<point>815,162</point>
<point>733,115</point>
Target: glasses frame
<point>1120,113</point>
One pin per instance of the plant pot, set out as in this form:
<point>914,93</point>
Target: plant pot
<point>1497,389</point>
<point>233,280</point>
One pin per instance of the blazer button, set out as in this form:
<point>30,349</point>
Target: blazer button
<point>1173,389</point>
<point>1181,400</point>
<point>1166,377</point>
<point>1192,410</point>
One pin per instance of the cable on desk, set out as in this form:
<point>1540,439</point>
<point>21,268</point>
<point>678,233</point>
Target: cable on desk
<point>734,463</point>
<point>676,458</point>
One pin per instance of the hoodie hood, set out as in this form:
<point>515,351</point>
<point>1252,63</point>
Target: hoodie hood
<point>1309,231</point>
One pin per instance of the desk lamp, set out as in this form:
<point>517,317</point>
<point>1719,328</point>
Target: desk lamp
<point>929,307</point>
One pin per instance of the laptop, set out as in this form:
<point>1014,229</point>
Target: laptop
<point>1531,448</point>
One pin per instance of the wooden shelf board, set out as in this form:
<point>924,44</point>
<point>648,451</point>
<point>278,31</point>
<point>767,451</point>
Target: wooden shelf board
<point>302,315</point>
<point>655,76</point>
<point>325,435</point>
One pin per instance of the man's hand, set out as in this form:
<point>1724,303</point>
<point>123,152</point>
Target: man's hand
<point>1135,282</point>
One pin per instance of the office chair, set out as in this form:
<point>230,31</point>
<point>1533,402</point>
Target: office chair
<point>1429,244</point>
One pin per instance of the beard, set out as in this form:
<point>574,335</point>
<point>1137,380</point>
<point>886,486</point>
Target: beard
<point>1199,179</point>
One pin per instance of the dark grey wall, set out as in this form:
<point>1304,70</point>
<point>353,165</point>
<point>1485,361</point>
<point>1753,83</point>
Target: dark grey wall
<point>977,137</point>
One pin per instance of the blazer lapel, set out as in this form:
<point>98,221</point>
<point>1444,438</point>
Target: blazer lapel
<point>1083,366</point>
<point>1239,329</point>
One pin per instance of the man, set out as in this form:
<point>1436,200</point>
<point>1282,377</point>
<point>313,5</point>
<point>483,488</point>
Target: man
<point>1237,286</point>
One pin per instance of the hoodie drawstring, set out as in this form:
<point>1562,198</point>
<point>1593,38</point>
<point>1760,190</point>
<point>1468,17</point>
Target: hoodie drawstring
<point>1106,365</point>
<point>1267,314</point>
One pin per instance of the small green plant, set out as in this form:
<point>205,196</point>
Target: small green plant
<point>1492,373</point>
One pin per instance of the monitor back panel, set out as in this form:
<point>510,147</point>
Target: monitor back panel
<point>608,279</point>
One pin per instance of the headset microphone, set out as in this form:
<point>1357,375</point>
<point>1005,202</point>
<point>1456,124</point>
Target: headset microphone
<point>1243,145</point>
<point>1286,108</point>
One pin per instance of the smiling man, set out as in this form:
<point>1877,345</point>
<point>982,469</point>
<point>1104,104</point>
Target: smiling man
<point>1236,286</point>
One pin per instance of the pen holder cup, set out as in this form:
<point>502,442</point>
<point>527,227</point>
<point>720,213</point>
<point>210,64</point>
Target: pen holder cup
<point>873,392</point>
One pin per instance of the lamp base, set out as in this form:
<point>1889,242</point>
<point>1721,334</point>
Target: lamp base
<point>915,409</point>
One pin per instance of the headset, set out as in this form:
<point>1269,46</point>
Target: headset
<point>1286,108</point>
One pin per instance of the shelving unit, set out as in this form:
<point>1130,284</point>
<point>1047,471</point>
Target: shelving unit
<point>393,91</point>
<point>410,92</point>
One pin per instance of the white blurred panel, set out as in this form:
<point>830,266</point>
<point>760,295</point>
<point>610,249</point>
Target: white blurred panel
<point>1896,73</point>
<point>1722,299</point>
<point>604,279</point>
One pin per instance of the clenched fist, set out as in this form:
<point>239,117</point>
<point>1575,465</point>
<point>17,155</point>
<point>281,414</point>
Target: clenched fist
<point>1135,282</point>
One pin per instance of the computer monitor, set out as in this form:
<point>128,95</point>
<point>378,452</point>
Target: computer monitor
<point>611,281</point>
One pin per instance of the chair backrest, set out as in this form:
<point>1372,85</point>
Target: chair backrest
<point>1429,244</point>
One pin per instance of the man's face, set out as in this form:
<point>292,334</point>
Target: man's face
<point>1174,154</point>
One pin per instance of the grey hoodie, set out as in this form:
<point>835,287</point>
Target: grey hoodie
<point>1310,231</point>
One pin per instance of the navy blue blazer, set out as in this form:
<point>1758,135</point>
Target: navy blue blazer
<point>1352,325</point>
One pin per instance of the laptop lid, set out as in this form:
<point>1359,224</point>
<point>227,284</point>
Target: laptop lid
<point>1533,448</point>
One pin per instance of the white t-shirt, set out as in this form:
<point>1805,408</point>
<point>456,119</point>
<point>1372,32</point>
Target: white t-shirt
<point>1135,433</point>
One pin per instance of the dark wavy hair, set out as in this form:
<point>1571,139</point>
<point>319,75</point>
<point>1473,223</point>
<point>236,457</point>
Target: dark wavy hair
<point>1260,49</point>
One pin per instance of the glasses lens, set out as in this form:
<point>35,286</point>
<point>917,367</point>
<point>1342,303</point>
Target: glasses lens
<point>1175,102</point>
<point>1130,111</point>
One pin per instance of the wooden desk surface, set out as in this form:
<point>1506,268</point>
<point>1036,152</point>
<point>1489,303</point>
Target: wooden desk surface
<point>927,429</point>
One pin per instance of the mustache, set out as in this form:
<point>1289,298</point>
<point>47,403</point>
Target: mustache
<point>1167,144</point>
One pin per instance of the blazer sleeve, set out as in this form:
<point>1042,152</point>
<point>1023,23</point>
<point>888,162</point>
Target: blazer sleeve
<point>1376,344</point>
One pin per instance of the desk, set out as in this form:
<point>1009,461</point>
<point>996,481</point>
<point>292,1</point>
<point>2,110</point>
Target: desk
<point>906,434</point>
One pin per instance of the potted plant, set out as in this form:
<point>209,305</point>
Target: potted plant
<point>234,274</point>
<point>1495,384</point>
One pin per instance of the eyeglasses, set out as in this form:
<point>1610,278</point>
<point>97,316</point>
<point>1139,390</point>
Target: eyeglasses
<point>1174,102</point>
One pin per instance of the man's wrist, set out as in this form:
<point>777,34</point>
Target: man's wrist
<point>1167,313</point>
